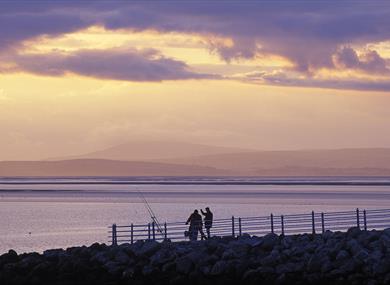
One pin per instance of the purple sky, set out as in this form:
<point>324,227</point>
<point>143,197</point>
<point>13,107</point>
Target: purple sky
<point>310,34</point>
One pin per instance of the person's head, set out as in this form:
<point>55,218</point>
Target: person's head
<point>196,212</point>
<point>207,209</point>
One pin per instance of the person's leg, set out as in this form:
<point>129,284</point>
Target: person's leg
<point>208,232</point>
<point>196,234</point>
<point>191,233</point>
<point>203,235</point>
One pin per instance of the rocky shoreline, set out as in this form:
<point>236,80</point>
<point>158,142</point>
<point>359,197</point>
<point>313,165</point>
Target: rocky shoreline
<point>354,257</point>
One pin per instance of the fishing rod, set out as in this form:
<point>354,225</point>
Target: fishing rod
<point>151,213</point>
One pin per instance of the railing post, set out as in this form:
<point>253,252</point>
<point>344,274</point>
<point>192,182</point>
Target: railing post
<point>114,237</point>
<point>313,223</point>
<point>132,233</point>
<point>153,231</point>
<point>165,231</point>
<point>365,220</point>
<point>282,223</point>
<point>239,227</point>
<point>323,222</point>
<point>233,233</point>
<point>148,231</point>
<point>272,223</point>
<point>357,218</point>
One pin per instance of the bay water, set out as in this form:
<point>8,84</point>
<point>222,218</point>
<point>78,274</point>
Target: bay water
<point>56,212</point>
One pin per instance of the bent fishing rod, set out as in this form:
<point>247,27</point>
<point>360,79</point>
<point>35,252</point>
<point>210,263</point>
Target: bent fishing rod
<point>151,213</point>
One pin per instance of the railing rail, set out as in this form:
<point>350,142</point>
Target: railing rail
<point>314,222</point>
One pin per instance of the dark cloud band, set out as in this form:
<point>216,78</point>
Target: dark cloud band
<point>117,64</point>
<point>310,34</point>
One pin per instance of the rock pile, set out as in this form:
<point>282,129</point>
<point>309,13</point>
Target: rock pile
<point>354,257</point>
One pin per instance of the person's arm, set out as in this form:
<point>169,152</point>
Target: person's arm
<point>203,213</point>
<point>189,219</point>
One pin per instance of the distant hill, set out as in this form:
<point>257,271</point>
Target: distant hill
<point>147,150</point>
<point>375,161</point>
<point>341,162</point>
<point>101,167</point>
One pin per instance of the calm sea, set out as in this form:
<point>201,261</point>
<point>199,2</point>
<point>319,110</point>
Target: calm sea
<point>41,213</point>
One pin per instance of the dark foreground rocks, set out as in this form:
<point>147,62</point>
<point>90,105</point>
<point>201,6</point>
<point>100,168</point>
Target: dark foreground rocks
<point>355,257</point>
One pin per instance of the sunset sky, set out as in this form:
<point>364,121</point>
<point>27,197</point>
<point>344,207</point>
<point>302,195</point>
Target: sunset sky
<point>77,76</point>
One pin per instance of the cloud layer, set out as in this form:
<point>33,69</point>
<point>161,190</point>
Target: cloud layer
<point>117,64</point>
<point>311,35</point>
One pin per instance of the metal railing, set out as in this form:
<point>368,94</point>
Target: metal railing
<point>313,222</point>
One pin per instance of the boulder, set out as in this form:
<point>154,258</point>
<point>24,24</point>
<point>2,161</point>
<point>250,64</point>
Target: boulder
<point>149,248</point>
<point>272,259</point>
<point>169,266</point>
<point>315,263</point>
<point>114,268</point>
<point>219,268</point>
<point>269,241</point>
<point>342,255</point>
<point>353,246</point>
<point>356,257</point>
<point>386,232</point>
<point>184,265</point>
<point>10,257</point>
<point>122,258</point>
<point>353,232</point>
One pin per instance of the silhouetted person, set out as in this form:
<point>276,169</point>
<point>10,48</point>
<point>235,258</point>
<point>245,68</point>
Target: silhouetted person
<point>195,221</point>
<point>208,220</point>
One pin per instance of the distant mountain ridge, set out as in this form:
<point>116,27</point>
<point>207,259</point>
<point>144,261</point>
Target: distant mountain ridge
<point>102,167</point>
<point>151,150</point>
<point>323,162</point>
<point>183,159</point>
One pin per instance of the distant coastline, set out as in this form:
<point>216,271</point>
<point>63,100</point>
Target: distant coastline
<point>125,162</point>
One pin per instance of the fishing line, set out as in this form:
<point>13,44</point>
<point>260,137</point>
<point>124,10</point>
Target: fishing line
<point>151,212</point>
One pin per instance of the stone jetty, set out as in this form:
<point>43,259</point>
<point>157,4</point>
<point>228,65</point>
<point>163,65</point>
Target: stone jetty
<point>354,257</point>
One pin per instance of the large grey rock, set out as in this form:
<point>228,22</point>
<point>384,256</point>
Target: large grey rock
<point>184,265</point>
<point>315,263</point>
<point>169,266</point>
<point>149,248</point>
<point>362,255</point>
<point>253,242</point>
<point>288,268</point>
<point>385,239</point>
<point>10,257</point>
<point>272,259</point>
<point>149,270</point>
<point>114,268</point>
<point>269,241</point>
<point>250,275</point>
<point>353,232</point>
<point>122,257</point>
<point>219,268</point>
<point>353,246</point>
<point>196,256</point>
<point>161,257</point>
<point>128,273</point>
<point>326,267</point>
<point>387,232</point>
<point>228,254</point>
<point>52,254</point>
<point>382,267</point>
<point>205,270</point>
<point>342,255</point>
<point>286,242</point>
<point>100,257</point>
<point>348,267</point>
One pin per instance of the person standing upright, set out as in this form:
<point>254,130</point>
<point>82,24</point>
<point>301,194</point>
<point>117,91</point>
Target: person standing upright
<point>195,221</point>
<point>208,220</point>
